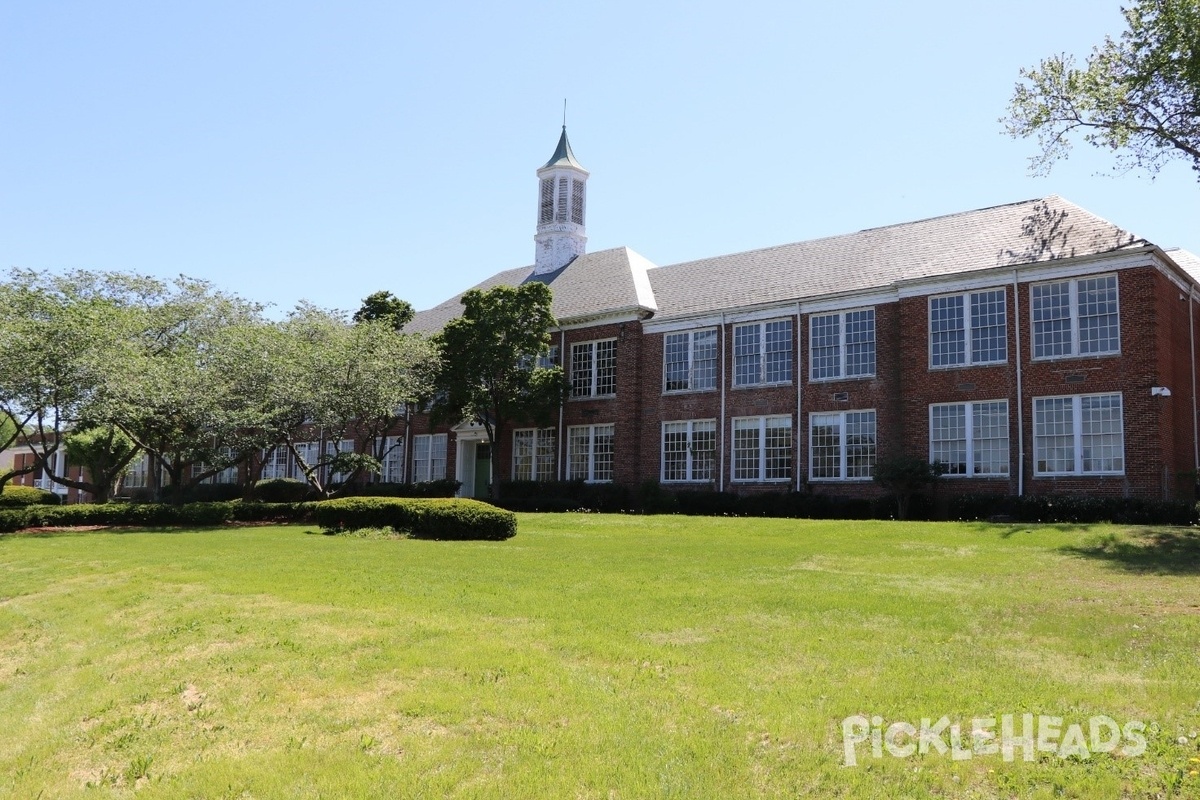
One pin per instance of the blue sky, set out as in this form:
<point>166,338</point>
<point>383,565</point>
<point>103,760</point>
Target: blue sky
<point>328,150</point>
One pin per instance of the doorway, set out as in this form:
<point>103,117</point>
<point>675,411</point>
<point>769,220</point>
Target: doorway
<point>483,470</point>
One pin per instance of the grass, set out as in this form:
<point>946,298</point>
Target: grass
<point>591,656</point>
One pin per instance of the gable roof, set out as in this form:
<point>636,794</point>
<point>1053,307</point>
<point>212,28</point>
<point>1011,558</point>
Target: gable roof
<point>608,282</point>
<point>1188,262</point>
<point>622,281</point>
<point>1028,232</point>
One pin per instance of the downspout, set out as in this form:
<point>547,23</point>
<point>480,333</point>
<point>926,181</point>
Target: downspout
<point>1020,396</point>
<point>799,399</point>
<point>1192,337</point>
<point>562,406</point>
<point>721,456</point>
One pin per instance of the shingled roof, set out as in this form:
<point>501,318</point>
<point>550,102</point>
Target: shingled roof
<point>592,285</point>
<point>620,280</point>
<point>879,258</point>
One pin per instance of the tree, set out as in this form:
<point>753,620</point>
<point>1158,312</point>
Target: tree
<point>104,451</point>
<point>347,382</point>
<point>489,371</point>
<point>1138,96</point>
<point>384,306</point>
<point>905,475</point>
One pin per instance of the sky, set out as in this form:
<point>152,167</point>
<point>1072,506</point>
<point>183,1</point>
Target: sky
<point>324,151</point>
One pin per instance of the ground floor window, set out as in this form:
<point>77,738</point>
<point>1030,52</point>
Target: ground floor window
<point>429,457</point>
<point>970,438</point>
<point>1078,435</point>
<point>533,454</point>
<point>390,452</point>
<point>689,450</point>
<point>275,462</point>
<point>762,448</point>
<point>842,445</point>
<point>590,453</point>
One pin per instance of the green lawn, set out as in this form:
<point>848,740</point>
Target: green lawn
<point>591,656</point>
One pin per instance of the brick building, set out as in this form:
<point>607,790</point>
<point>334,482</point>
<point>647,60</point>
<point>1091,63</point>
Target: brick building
<point>1033,347</point>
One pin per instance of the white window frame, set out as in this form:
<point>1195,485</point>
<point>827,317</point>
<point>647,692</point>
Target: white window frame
<point>691,381</point>
<point>762,424</point>
<point>972,440</point>
<point>592,472</point>
<point>332,449</point>
<point>275,462</point>
<point>1073,310</point>
<point>541,442</point>
<point>690,464</point>
<point>1077,436</point>
<point>429,457</point>
<point>593,371</point>
<point>842,375</point>
<point>969,358</point>
<point>843,445</point>
<point>761,357</point>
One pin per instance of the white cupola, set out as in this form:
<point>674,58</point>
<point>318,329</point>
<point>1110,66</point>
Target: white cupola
<point>562,196</point>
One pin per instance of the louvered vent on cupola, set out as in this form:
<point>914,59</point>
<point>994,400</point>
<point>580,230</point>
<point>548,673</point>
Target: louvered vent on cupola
<point>546,207</point>
<point>560,212</point>
<point>577,202</point>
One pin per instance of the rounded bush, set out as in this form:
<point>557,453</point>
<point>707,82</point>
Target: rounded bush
<point>20,496</point>
<point>280,490</point>
<point>439,518</point>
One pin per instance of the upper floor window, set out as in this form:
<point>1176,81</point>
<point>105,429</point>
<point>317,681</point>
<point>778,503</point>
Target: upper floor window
<point>1078,435</point>
<point>690,360</point>
<point>689,450</point>
<point>533,454</point>
<point>594,368</point>
<point>1075,318</point>
<point>843,344</point>
<point>762,353</point>
<point>968,328</point>
<point>841,445</point>
<point>970,438</point>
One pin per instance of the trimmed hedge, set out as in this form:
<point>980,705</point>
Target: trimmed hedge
<point>442,488</point>
<point>150,514</point>
<point>1074,508</point>
<point>420,518</point>
<point>21,496</point>
<point>280,490</point>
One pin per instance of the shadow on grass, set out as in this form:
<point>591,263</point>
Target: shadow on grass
<point>54,533</point>
<point>1007,530</point>
<point>1161,551</point>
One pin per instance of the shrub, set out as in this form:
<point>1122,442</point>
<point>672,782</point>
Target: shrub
<point>280,490</point>
<point>1074,508</point>
<point>20,496</point>
<point>151,514</point>
<point>442,488</point>
<point>421,518</point>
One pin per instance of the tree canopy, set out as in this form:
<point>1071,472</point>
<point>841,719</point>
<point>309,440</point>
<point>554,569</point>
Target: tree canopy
<point>1137,95</point>
<point>385,307</point>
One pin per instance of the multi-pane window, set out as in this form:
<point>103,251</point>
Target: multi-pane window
<point>842,445</point>
<point>331,451</point>
<point>390,450</point>
<point>970,438</point>
<point>594,368</point>
<point>310,453</point>
<point>429,457</point>
<point>762,353</point>
<point>1078,435</point>
<point>275,462</point>
<point>968,328</point>
<point>690,360</point>
<point>842,344</point>
<point>533,454</point>
<point>226,475</point>
<point>689,450</point>
<point>138,474</point>
<point>1076,317</point>
<point>590,453</point>
<point>762,448</point>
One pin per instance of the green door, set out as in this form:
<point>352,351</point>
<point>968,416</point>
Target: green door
<point>483,469</point>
